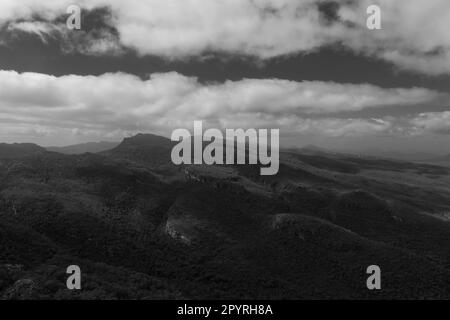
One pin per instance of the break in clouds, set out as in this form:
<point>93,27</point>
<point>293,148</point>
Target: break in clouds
<point>116,104</point>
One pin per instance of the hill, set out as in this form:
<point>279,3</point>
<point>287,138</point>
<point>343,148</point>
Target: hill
<point>140,227</point>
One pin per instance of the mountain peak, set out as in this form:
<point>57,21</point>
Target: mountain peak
<point>145,139</point>
<point>150,148</point>
<point>18,150</point>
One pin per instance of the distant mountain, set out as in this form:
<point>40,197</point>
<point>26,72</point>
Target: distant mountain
<point>145,140</point>
<point>92,147</point>
<point>442,160</point>
<point>373,153</point>
<point>19,150</point>
<point>313,148</point>
<point>397,155</point>
<point>143,147</point>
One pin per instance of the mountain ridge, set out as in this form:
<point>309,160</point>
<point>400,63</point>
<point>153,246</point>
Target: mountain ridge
<point>92,147</point>
<point>19,150</point>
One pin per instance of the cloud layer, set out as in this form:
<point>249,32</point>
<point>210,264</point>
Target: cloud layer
<point>414,35</point>
<point>115,104</point>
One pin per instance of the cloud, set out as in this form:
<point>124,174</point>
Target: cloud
<point>334,127</point>
<point>434,122</point>
<point>42,29</point>
<point>115,104</point>
<point>98,37</point>
<point>414,35</point>
<point>182,28</point>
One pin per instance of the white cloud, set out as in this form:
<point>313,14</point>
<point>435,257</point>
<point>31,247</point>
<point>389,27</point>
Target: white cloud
<point>91,43</point>
<point>115,104</point>
<point>42,29</point>
<point>414,35</point>
<point>434,122</point>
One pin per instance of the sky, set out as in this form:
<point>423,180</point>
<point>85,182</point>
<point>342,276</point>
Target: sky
<point>310,68</point>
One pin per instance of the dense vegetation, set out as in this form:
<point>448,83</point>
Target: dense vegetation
<point>140,228</point>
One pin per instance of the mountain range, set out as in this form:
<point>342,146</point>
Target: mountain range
<point>92,147</point>
<point>141,227</point>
